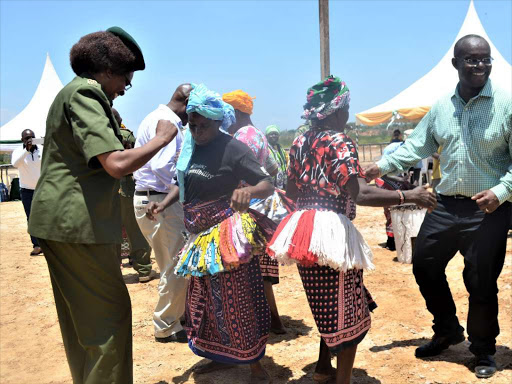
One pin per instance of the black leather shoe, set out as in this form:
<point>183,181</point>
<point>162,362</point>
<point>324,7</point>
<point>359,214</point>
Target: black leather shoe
<point>438,344</point>
<point>390,244</point>
<point>485,366</point>
<point>178,337</point>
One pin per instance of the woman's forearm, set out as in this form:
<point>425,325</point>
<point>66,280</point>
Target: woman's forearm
<point>376,197</point>
<point>121,163</point>
<point>261,190</point>
<point>363,194</point>
<point>172,197</point>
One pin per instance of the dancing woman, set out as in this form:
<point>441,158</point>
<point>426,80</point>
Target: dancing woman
<point>227,316</point>
<point>326,180</point>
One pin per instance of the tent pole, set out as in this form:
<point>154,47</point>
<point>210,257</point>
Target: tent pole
<point>323,12</point>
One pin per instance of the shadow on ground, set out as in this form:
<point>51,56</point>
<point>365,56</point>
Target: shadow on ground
<point>359,376</point>
<point>239,374</point>
<point>294,328</point>
<point>458,354</point>
<point>133,278</point>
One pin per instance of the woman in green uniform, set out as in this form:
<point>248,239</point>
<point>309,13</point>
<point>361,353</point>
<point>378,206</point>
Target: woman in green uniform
<point>76,210</point>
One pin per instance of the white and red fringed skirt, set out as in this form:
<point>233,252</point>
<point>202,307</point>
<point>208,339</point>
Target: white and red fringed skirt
<point>322,237</point>
<point>331,255</point>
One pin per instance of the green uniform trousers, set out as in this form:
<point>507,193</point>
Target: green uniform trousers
<point>140,250</point>
<point>94,311</point>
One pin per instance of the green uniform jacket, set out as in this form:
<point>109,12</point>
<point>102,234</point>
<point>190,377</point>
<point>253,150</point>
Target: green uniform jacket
<point>127,183</point>
<point>76,200</point>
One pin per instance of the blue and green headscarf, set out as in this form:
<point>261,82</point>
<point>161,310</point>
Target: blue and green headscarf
<point>210,105</point>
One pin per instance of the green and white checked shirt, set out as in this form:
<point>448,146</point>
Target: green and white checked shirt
<point>477,144</point>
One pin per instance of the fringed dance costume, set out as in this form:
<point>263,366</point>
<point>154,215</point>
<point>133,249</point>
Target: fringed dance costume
<point>320,237</point>
<point>277,205</point>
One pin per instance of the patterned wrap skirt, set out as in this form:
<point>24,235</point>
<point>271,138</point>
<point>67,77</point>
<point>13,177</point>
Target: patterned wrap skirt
<point>276,207</point>
<point>337,297</point>
<point>227,318</point>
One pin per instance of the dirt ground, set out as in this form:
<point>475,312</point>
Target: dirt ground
<point>31,349</point>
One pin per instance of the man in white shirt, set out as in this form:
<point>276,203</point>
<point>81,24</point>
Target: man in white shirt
<point>153,182</point>
<point>28,161</point>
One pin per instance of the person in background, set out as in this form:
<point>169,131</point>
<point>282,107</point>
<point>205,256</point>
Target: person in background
<point>397,136</point>
<point>140,251</point>
<point>392,183</point>
<point>76,210</point>
<point>243,130</point>
<point>28,161</point>
<point>416,169</point>
<point>473,124</point>
<point>278,154</point>
<point>153,182</point>
<point>253,137</point>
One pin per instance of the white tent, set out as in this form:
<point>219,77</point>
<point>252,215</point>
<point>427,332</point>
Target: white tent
<point>34,115</point>
<point>415,101</point>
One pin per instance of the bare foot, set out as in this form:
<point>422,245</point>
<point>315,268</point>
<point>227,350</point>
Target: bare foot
<point>324,375</point>
<point>260,378</point>
<point>258,374</point>
<point>212,366</point>
<point>276,326</point>
<point>278,331</point>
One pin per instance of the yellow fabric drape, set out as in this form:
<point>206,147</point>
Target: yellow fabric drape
<point>376,118</point>
<point>413,113</point>
<point>436,166</point>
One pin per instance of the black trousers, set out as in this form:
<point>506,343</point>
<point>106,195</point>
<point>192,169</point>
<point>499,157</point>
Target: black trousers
<point>459,225</point>
<point>26,199</point>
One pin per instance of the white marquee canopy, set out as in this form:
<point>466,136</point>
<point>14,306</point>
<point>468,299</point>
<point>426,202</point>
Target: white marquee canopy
<point>33,116</point>
<point>415,101</point>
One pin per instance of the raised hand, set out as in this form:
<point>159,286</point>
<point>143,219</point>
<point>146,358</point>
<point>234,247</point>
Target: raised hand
<point>166,130</point>
<point>422,197</point>
<point>372,172</point>
<point>240,199</point>
<point>28,145</point>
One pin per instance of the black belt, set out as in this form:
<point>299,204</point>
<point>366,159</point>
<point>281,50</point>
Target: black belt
<point>458,197</point>
<point>145,193</point>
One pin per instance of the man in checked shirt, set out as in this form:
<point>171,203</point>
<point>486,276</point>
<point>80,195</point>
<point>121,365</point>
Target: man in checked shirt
<point>474,126</point>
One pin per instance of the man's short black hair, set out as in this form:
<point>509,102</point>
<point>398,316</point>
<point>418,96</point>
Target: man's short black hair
<point>460,43</point>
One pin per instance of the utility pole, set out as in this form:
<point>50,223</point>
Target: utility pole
<point>323,12</point>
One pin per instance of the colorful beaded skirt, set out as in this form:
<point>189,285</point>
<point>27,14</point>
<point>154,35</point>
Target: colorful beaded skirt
<point>221,239</point>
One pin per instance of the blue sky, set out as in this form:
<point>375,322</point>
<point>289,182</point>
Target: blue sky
<point>270,49</point>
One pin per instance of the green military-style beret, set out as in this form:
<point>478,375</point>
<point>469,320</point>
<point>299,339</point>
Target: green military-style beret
<point>132,45</point>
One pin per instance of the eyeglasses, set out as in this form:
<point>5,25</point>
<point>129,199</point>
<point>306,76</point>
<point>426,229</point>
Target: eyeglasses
<point>127,82</point>
<point>474,62</point>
